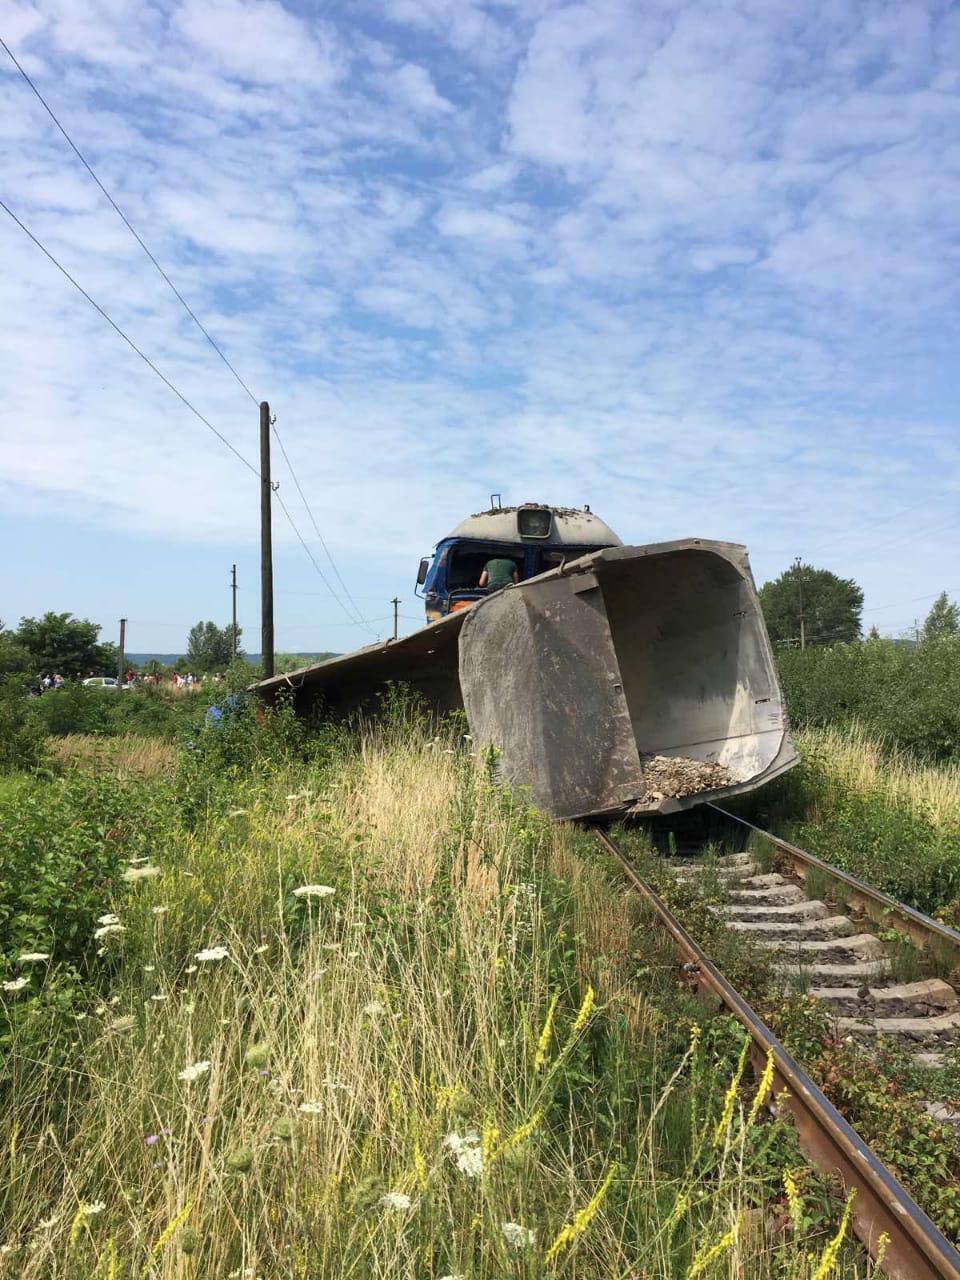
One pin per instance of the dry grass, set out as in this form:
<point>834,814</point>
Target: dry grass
<point>861,762</point>
<point>347,1035</point>
<point>127,756</point>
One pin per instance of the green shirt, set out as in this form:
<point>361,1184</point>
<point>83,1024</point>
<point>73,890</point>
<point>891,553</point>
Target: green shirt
<point>499,572</point>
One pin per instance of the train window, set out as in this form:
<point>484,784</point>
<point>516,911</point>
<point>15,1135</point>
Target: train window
<point>533,522</point>
<point>466,565</point>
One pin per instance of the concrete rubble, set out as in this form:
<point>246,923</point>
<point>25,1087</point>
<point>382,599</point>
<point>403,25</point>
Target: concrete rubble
<point>679,776</point>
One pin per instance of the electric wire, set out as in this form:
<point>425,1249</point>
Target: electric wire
<point>179,394</point>
<point>316,529</point>
<point>128,340</point>
<point>190,312</point>
<point>123,217</point>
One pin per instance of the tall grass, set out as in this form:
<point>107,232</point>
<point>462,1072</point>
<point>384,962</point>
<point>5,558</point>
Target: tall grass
<point>874,811</point>
<point>451,1065</point>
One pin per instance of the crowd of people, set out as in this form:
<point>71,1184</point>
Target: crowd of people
<point>47,681</point>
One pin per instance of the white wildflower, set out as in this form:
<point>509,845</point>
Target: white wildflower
<point>134,874</point>
<point>159,911</point>
<point>311,1108</point>
<point>149,968</point>
<point>33,957</point>
<point>16,984</point>
<point>295,796</point>
<point>259,951</point>
<point>193,1071</point>
<point>137,862</point>
<point>158,998</point>
<point>91,1210</point>
<point>397,1201</point>
<point>47,1223</point>
<point>235,813</point>
<point>211,953</point>
<point>109,918</point>
<point>331,946</point>
<point>374,1009</point>
<point>191,968</point>
<point>106,929</point>
<point>314,891</point>
<point>124,1023</point>
<point>519,1237</point>
<point>466,1152</point>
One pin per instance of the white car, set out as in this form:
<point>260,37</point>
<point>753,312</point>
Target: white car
<point>102,682</point>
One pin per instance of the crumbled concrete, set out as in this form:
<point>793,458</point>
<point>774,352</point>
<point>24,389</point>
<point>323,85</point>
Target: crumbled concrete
<point>805,909</point>
<point>862,945</point>
<point>933,992</point>
<point>930,1061</point>
<point>777,894</point>
<point>665,776</point>
<point>829,927</point>
<point>848,977</point>
<point>924,1027</point>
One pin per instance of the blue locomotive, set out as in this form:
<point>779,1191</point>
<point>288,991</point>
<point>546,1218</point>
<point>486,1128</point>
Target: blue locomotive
<point>532,537</point>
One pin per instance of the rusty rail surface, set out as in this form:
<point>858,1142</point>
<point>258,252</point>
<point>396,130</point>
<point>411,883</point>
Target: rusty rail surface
<point>921,929</point>
<point>916,1249</point>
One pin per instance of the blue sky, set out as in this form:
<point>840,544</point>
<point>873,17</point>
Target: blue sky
<point>694,264</point>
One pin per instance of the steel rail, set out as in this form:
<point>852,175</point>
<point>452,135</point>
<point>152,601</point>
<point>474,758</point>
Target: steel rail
<point>879,906</point>
<point>915,1248</point>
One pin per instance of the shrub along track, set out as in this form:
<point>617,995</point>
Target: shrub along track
<point>847,967</point>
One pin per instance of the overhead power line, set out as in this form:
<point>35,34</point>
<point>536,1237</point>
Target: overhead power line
<point>123,217</point>
<point>128,340</point>
<point>193,316</point>
<point>320,538</point>
<point>177,392</point>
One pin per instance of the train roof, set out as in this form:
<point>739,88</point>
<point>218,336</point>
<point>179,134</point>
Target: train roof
<point>569,526</point>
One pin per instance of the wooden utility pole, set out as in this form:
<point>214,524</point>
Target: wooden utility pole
<point>123,636</point>
<point>233,592</point>
<point>396,604</point>
<point>803,627</point>
<point>266,546</point>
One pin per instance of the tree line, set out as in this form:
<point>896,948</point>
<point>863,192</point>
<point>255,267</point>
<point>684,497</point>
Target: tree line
<point>59,642</point>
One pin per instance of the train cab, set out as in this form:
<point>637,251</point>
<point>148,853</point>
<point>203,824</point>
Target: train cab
<point>534,538</point>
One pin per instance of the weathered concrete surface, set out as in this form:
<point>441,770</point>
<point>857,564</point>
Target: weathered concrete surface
<point>580,675</point>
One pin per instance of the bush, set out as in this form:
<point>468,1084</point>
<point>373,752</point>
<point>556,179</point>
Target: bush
<point>909,697</point>
<point>21,738</point>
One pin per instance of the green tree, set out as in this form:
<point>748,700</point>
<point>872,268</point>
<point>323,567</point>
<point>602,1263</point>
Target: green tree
<point>209,647</point>
<point>14,658</point>
<point>61,642</point>
<point>828,606</point>
<point>942,620</point>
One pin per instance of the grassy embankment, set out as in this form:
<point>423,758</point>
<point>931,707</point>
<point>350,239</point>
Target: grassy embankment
<point>877,812</point>
<point>468,1059</point>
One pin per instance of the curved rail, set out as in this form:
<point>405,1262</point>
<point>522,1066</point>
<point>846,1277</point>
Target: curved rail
<point>880,907</point>
<point>916,1249</point>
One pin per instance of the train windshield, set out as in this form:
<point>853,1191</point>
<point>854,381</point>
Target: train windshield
<point>468,558</point>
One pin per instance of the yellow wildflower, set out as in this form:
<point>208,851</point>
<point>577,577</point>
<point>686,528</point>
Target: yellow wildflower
<point>766,1080</point>
<point>712,1252</point>
<point>726,1115</point>
<point>581,1221</point>
<point>544,1041</point>
<point>828,1258</point>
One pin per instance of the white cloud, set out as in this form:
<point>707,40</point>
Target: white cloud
<point>260,41</point>
<point>693,264</point>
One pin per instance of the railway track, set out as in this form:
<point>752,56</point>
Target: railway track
<point>847,966</point>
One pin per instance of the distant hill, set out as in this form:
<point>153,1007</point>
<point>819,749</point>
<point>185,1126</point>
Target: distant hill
<point>171,659</point>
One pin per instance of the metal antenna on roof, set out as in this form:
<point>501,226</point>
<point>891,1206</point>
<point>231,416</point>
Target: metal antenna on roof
<point>499,505</point>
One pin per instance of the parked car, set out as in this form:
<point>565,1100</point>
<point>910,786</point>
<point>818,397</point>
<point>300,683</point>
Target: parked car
<point>104,682</point>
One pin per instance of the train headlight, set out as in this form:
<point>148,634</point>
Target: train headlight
<point>533,522</point>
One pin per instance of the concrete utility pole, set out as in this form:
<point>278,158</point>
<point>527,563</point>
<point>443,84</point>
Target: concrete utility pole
<point>266,546</point>
<point>123,636</point>
<point>396,604</point>
<point>233,592</point>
